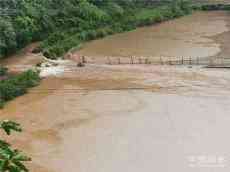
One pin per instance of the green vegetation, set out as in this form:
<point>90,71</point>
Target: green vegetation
<point>113,18</point>
<point>17,85</point>
<point>64,24</point>
<point>214,7</point>
<point>11,160</point>
<point>210,5</point>
<point>3,71</point>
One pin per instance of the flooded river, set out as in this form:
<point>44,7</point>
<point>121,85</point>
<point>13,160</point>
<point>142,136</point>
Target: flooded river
<point>133,118</point>
<point>190,36</point>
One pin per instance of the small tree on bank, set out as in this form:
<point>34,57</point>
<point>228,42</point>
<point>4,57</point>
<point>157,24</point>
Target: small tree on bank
<point>11,160</point>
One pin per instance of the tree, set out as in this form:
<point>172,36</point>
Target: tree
<point>7,36</point>
<point>26,28</point>
<point>11,160</point>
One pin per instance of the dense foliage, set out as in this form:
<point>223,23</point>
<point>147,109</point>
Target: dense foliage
<point>3,71</point>
<point>68,23</point>
<point>17,85</point>
<point>212,7</point>
<point>11,160</point>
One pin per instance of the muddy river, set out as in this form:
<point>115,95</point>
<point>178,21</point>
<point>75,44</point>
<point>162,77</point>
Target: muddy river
<point>190,36</point>
<point>133,118</point>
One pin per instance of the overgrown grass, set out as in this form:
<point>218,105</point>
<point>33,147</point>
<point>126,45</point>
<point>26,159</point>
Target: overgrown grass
<point>17,85</point>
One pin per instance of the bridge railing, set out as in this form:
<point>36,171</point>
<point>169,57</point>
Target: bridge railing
<point>157,60</point>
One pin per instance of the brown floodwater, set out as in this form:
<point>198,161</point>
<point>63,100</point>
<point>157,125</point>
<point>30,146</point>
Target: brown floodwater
<point>190,36</point>
<point>103,118</point>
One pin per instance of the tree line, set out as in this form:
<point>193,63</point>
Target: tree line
<point>63,24</point>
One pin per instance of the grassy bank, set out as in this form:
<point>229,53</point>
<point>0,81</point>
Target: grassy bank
<point>14,86</point>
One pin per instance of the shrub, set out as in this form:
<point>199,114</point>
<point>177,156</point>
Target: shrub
<point>17,85</point>
<point>2,103</point>
<point>101,33</point>
<point>11,160</point>
<point>3,71</point>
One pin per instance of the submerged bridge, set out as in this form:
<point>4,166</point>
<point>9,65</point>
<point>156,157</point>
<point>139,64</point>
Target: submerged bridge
<point>168,61</point>
<point>219,62</point>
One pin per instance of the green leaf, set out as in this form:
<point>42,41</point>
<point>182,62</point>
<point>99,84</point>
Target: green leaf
<point>11,160</point>
<point>21,166</point>
<point>9,126</point>
<point>3,165</point>
<point>18,156</point>
<point>3,143</point>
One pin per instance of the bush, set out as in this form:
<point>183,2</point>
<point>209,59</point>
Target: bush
<point>212,7</point>
<point>2,103</point>
<point>3,71</point>
<point>11,160</point>
<point>17,85</point>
